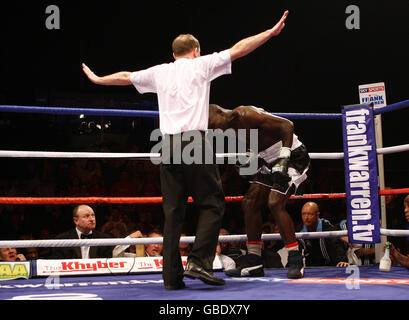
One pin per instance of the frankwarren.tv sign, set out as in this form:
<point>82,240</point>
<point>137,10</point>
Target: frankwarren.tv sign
<point>361,174</point>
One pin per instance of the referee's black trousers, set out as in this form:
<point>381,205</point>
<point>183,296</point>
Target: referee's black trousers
<point>202,182</point>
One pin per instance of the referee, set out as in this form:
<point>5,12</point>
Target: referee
<point>183,88</point>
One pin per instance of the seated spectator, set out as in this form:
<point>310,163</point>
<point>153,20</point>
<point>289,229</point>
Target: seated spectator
<point>397,257</point>
<point>273,252</point>
<point>227,262</point>
<point>115,225</point>
<point>10,254</point>
<point>124,187</point>
<point>115,229</point>
<point>320,252</point>
<point>231,249</point>
<point>44,252</point>
<point>73,188</point>
<point>151,250</point>
<point>154,250</point>
<point>144,223</point>
<point>402,243</point>
<point>85,223</point>
<point>184,248</point>
<point>128,219</point>
<point>121,250</point>
<point>31,253</point>
<point>358,253</point>
<point>150,184</point>
<point>97,186</point>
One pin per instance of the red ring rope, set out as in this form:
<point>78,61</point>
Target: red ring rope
<point>140,200</point>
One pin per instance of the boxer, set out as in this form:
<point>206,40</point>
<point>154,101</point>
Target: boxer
<point>283,165</point>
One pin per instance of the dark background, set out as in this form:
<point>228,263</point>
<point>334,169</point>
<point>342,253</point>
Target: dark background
<point>315,65</point>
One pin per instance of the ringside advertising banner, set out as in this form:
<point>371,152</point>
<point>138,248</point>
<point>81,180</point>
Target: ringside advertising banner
<point>361,174</point>
<point>106,266</point>
<point>14,270</point>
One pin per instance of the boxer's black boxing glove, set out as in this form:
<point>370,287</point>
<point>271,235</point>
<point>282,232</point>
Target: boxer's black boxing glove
<point>280,166</point>
<point>279,170</point>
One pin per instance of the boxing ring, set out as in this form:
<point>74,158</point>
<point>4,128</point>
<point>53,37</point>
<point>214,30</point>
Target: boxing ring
<point>141,279</point>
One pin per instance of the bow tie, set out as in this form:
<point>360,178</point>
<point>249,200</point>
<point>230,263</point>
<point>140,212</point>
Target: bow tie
<point>86,236</point>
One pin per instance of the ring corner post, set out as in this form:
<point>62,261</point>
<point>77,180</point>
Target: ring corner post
<point>375,94</point>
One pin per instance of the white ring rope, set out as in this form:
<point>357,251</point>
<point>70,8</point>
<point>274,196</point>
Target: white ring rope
<point>148,156</point>
<point>395,233</point>
<point>54,243</point>
<point>95,155</point>
<point>158,240</point>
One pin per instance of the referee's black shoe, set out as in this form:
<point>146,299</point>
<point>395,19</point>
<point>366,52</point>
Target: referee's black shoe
<point>194,271</point>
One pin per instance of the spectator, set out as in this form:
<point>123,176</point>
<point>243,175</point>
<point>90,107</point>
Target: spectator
<point>150,187</point>
<point>44,234</point>
<point>97,186</point>
<point>120,250</point>
<point>124,187</point>
<point>269,225</point>
<point>184,248</point>
<point>74,187</point>
<point>85,223</point>
<point>231,249</point>
<point>392,204</point>
<point>397,257</point>
<point>144,223</point>
<point>227,262</point>
<point>402,243</point>
<point>358,253</point>
<point>273,252</point>
<point>151,250</point>
<point>116,229</point>
<point>13,224</point>
<point>78,169</point>
<point>115,225</point>
<point>10,254</point>
<point>154,250</point>
<point>128,219</point>
<point>92,168</point>
<point>31,253</point>
<point>321,252</point>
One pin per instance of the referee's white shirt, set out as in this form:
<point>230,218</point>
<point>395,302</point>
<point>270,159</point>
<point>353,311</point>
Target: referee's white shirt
<point>183,89</point>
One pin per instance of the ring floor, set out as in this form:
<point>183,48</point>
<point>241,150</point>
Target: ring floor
<point>321,283</point>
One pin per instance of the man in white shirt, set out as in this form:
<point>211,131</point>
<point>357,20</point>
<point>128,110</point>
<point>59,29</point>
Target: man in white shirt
<point>183,89</point>
<point>150,250</point>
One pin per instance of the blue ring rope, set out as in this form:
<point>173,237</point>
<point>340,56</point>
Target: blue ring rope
<point>392,107</point>
<point>138,113</point>
<point>151,113</point>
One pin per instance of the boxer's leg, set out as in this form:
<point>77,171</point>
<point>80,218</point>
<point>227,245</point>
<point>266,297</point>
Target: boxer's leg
<point>277,202</point>
<point>255,198</point>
